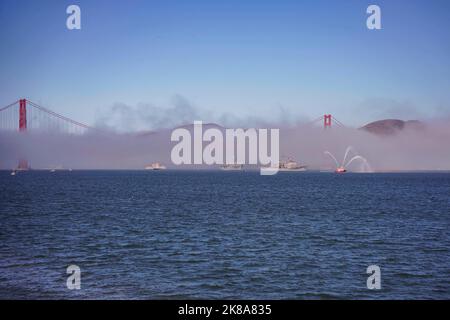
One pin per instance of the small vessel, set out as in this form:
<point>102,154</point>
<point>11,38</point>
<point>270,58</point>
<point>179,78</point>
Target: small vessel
<point>55,168</point>
<point>155,166</point>
<point>232,167</point>
<point>13,173</point>
<point>291,165</point>
<point>340,170</point>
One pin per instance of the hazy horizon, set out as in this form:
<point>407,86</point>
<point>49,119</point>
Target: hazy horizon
<point>407,150</point>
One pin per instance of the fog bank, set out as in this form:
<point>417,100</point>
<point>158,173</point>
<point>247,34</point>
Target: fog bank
<point>425,149</point>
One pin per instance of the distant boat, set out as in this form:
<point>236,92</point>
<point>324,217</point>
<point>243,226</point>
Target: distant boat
<point>56,168</point>
<point>341,170</point>
<point>13,173</point>
<point>155,166</point>
<point>291,165</point>
<point>232,167</point>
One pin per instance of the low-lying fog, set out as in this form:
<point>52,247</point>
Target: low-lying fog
<point>427,148</point>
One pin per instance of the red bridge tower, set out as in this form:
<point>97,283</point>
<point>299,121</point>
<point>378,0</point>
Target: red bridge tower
<point>23,164</point>
<point>327,121</point>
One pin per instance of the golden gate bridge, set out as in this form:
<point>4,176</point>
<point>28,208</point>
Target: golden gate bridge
<point>24,115</point>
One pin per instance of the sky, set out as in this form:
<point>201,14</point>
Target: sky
<point>240,58</point>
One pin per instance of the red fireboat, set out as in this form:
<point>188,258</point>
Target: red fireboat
<point>341,170</point>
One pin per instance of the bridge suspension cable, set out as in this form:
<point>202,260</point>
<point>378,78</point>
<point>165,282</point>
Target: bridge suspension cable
<point>27,115</point>
<point>327,121</point>
<point>39,117</point>
<point>9,106</point>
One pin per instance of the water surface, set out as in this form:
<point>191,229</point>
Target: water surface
<point>175,234</point>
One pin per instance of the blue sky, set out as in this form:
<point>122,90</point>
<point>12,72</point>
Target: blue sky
<point>243,58</point>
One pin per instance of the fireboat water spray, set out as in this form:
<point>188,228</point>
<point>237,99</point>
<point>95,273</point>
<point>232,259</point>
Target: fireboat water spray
<point>342,168</point>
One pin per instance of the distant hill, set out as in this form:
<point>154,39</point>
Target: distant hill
<point>391,126</point>
<point>189,127</point>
